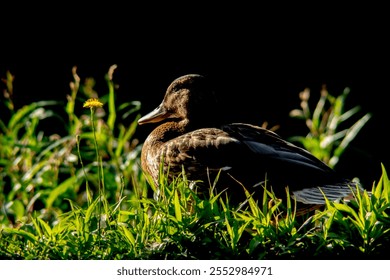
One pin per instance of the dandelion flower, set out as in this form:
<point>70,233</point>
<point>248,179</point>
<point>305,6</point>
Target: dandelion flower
<point>92,103</point>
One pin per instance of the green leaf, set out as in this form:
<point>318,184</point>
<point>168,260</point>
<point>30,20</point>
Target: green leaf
<point>111,100</point>
<point>178,213</point>
<point>46,228</point>
<point>60,189</point>
<point>386,185</point>
<point>27,235</point>
<point>91,209</point>
<point>129,235</point>
<point>17,208</point>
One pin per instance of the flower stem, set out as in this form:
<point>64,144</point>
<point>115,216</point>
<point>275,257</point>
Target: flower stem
<point>101,191</point>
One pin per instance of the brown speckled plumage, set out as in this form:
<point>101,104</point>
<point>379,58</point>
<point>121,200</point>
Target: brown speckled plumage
<point>191,136</point>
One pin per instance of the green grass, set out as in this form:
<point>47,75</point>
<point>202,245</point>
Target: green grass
<point>80,194</point>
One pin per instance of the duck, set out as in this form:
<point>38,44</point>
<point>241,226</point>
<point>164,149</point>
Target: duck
<point>189,136</point>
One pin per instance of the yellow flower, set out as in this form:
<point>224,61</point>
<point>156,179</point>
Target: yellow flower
<point>92,103</point>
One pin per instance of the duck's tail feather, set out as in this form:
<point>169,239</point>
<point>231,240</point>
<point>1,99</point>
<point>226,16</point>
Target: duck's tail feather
<point>335,192</point>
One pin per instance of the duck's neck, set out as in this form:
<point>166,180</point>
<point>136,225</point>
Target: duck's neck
<point>167,131</point>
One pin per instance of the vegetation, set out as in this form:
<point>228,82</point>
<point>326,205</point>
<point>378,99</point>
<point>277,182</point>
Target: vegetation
<point>325,139</point>
<point>81,194</point>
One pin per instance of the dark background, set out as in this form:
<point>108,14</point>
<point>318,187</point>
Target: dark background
<point>258,65</point>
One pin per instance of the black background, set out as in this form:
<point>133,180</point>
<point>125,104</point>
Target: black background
<point>258,65</point>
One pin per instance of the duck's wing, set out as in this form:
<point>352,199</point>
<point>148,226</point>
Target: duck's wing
<point>313,178</point>
<point>268,145</point>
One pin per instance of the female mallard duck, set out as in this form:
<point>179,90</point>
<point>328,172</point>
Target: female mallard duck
<point>191,136</point>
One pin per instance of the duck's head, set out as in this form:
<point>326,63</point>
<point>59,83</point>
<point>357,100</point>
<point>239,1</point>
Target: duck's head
<point>190,98</point>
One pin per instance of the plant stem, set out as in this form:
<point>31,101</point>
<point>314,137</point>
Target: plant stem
<point>97,161</point>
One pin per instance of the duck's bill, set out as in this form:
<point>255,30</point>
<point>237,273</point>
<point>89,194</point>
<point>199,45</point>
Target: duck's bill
<point>157,115</point>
